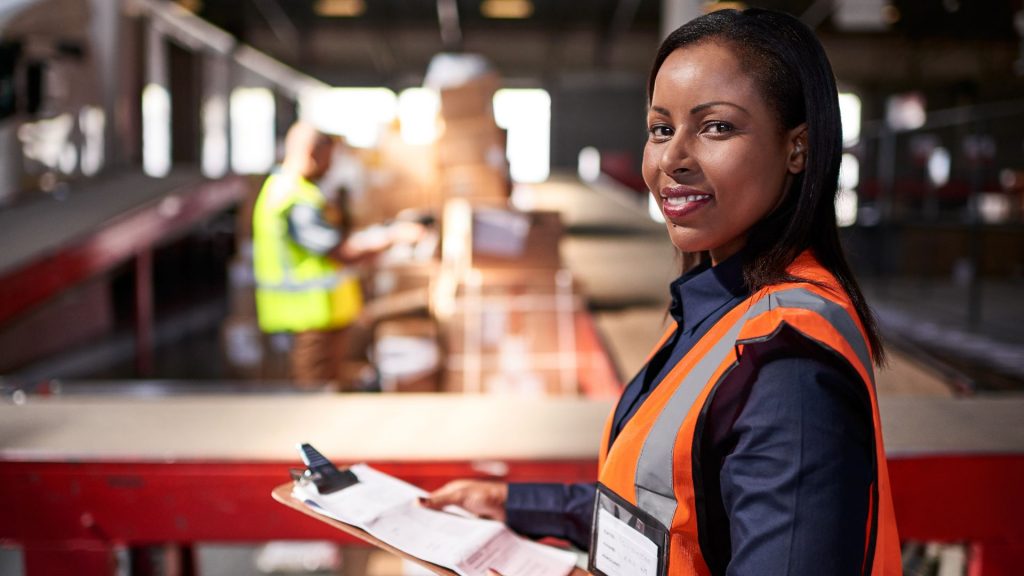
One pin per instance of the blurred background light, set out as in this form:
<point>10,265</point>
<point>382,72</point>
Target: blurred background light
<point>849,172</point>
<point>252,130</point>
<point>849,113</point>
<point>906,111</point>
<point>526,114</point>
<point>92,122</point>
<point>588,165</point>
<point>156,130</point>
<point>358,114</point>
<point>340,8</point>
<point>417,113</point>
<point>939,163</point>
<point>506,9</point>
<point>215,138</point>
<point>846,208</point>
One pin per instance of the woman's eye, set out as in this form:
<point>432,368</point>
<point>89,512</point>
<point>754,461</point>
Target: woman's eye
<point>718,127</point>
<point>660,131</point>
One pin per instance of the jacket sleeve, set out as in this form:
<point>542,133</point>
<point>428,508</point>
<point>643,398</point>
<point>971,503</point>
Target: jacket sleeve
<point>563,511</point>
<point>796,485</point>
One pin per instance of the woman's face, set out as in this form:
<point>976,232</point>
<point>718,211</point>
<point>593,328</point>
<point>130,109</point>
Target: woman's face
<point>716,159</point>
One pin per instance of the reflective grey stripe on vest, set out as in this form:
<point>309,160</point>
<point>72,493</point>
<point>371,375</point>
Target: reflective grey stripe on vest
<point>655,493</point>
<point>836,316</point>
<point>324,283</point>
<point>288,284</point>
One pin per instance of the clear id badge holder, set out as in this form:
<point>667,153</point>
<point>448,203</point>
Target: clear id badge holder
<point>625,541</point>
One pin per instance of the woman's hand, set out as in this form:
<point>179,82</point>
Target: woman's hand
<point>485,498</point>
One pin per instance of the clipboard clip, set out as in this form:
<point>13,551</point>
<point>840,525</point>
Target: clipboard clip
<point>321,472</point>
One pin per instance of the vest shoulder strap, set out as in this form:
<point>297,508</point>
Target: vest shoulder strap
<point>816,313</point>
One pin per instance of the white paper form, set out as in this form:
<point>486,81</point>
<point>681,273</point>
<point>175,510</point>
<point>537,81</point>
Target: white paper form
<point>388,508</point>
<point>510,554</point>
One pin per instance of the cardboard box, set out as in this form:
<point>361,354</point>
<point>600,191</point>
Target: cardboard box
<point>396,279</point>
<point>407,354</point>
<point>483,150</point>
<point>506,243</point>
<point>473,98</point>
<point>404,303</point>
<point>477,183</point>
<point>399,176</point>
<point>476,140</point>
<point>517,337</point>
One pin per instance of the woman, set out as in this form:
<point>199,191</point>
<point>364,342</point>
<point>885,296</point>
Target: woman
<point>750,442</point>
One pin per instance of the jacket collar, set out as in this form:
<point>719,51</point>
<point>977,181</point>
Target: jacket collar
<point>705,289</point>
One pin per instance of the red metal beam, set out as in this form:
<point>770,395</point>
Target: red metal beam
<point>943,498</point>
<point>118,241</point>
<point>959,498</point>
<point>63,511</point>
<point>144,503</point>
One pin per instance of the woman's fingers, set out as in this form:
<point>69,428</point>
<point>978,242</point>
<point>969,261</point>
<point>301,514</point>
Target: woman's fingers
<point>483,498</point>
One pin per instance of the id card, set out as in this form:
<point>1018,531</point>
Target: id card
<point>625,541</point>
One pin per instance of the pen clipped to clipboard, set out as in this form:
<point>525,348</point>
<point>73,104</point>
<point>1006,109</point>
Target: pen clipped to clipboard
<point>387,510</point>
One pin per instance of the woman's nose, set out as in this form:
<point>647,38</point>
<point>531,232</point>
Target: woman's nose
<point>675,157</point>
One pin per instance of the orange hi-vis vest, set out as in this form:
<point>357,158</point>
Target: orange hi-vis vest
<point>651,464</point>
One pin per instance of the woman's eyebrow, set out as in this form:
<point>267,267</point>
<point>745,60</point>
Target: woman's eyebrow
<point>701,107</point>
<point>662,111</point>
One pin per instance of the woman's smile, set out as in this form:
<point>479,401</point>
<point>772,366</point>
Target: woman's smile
<point>680,201</point>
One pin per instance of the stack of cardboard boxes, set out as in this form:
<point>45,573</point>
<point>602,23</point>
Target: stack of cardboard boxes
<point>510,327</point>
<point>400,176</point>
<point>466,162</point>
<point>513,333</point>
<point>471,147</point>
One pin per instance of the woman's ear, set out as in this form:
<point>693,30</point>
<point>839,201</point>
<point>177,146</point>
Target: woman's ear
<point>796,142</point>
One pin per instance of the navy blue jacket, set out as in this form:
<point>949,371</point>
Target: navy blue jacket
<point>786,456</point>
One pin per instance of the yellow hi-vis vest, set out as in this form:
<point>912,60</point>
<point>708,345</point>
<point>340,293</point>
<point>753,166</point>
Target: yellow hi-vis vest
<point>296,290</point>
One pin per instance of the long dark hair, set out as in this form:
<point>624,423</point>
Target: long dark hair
<point>793,72</point>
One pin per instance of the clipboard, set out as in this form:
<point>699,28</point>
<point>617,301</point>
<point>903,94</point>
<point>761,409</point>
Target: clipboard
<point>327,478</point>
<point>283,494</point>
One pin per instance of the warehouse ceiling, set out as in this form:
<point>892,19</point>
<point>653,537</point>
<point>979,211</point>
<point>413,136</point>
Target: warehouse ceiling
<point>390,42</point>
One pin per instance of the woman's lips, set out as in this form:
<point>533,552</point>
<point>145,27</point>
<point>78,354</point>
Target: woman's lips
<point>679,201</point>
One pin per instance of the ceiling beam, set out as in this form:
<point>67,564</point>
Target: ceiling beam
<point>448,21</point>
<point>280,24</point>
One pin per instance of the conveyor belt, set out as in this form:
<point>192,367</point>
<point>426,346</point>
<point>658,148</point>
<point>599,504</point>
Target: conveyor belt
<point>427,427</point>
<point>416,427</point>
<point>51,246</point>
<point>40,228</point>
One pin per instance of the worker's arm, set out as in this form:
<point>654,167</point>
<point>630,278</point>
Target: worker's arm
<point>796,484</point>
<point>374,240</point>
<point>537,510</point>
<point>308,228</point>
<point>563,511</point>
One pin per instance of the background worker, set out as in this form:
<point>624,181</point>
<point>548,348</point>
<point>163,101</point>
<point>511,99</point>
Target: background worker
<point>305,282</point>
